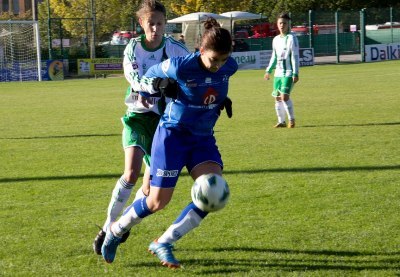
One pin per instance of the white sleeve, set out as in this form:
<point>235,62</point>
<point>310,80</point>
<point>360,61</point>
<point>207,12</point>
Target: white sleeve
<point>175,48</point>
<point>294,48</point>
<point>131,71</point>
<point>272,61</point>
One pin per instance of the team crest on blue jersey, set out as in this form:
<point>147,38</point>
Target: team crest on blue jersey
<point>208,80</point>
<point>210,96</point>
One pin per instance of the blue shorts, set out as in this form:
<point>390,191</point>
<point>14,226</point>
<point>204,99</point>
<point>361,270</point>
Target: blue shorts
<point>173,149</point>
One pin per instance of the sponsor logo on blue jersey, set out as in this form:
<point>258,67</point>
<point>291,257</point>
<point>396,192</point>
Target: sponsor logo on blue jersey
<point>167,173</point>
<point>190,83</point>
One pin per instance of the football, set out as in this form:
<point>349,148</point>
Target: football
<point>210,192</point>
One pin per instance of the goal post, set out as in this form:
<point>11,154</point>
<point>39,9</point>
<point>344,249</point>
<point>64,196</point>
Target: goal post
<point>20,51</point>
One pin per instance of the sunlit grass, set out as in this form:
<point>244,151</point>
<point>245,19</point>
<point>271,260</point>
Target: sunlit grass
<point>318,200</point>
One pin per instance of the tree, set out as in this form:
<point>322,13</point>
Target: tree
<point>273,8</point>
<point>110,15</point>
<point>114,15</point>
<point>182,7</point>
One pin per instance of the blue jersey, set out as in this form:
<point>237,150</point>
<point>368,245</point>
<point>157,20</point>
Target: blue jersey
<point>201,94</point>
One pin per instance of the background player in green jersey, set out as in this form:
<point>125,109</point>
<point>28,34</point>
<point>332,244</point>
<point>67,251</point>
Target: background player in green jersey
<point>285,61</point>
<point>141,118</point>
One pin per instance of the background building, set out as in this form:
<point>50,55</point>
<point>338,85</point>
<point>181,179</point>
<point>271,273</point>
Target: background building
<point>17,7</point>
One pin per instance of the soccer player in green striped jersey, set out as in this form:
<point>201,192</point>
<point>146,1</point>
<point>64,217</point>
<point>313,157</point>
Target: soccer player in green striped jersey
<point>141,118</point>
<point>285,61</point>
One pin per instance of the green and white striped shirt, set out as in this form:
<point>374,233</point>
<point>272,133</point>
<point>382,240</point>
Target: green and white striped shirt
<point>137,60</point>
<point>285,56</point>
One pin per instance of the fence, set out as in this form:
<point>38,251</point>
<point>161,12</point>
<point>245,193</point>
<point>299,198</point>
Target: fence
<point>329,33</point>
<point>339,33</point>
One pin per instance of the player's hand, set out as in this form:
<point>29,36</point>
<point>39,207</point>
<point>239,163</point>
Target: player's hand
<point>167,86</point>
<point>227,105</point>
<point>143,100</point>
<point>266,76</point>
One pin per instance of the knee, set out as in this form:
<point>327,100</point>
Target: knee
<point>131,176</point>
<point>155,205</point>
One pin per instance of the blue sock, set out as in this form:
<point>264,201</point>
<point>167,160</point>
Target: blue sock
<point>189,219</point>
<point>132,215</point>
<point>141,208</point>
<point>188,208</point>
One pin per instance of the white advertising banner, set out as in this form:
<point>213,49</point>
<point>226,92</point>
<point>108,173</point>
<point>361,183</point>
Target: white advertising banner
<point>382,52</point>
<point>260,59</point>
<point>249,59</point>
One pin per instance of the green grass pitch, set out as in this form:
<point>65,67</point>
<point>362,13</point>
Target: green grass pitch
<point>318,200</point>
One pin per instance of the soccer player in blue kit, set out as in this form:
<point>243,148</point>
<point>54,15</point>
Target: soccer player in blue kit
<point>184,137</point>
<point>140,120</point>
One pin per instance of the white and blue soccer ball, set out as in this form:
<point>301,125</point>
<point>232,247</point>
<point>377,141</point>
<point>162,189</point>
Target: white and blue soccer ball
<point>210,192</point>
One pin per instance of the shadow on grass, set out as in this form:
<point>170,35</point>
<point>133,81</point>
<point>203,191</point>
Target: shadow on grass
<point>113,135</point>
<point>263,260</point>
<point>306,252</point>
<point>351,125</point>
<point>227,172</point>
<point>66,136</point>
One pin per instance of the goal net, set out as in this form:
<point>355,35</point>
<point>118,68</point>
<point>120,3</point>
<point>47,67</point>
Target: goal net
<point>19,51</point>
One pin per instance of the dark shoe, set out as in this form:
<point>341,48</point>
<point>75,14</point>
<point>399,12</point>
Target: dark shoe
<point>280,125</point>
<point>98,241</point>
